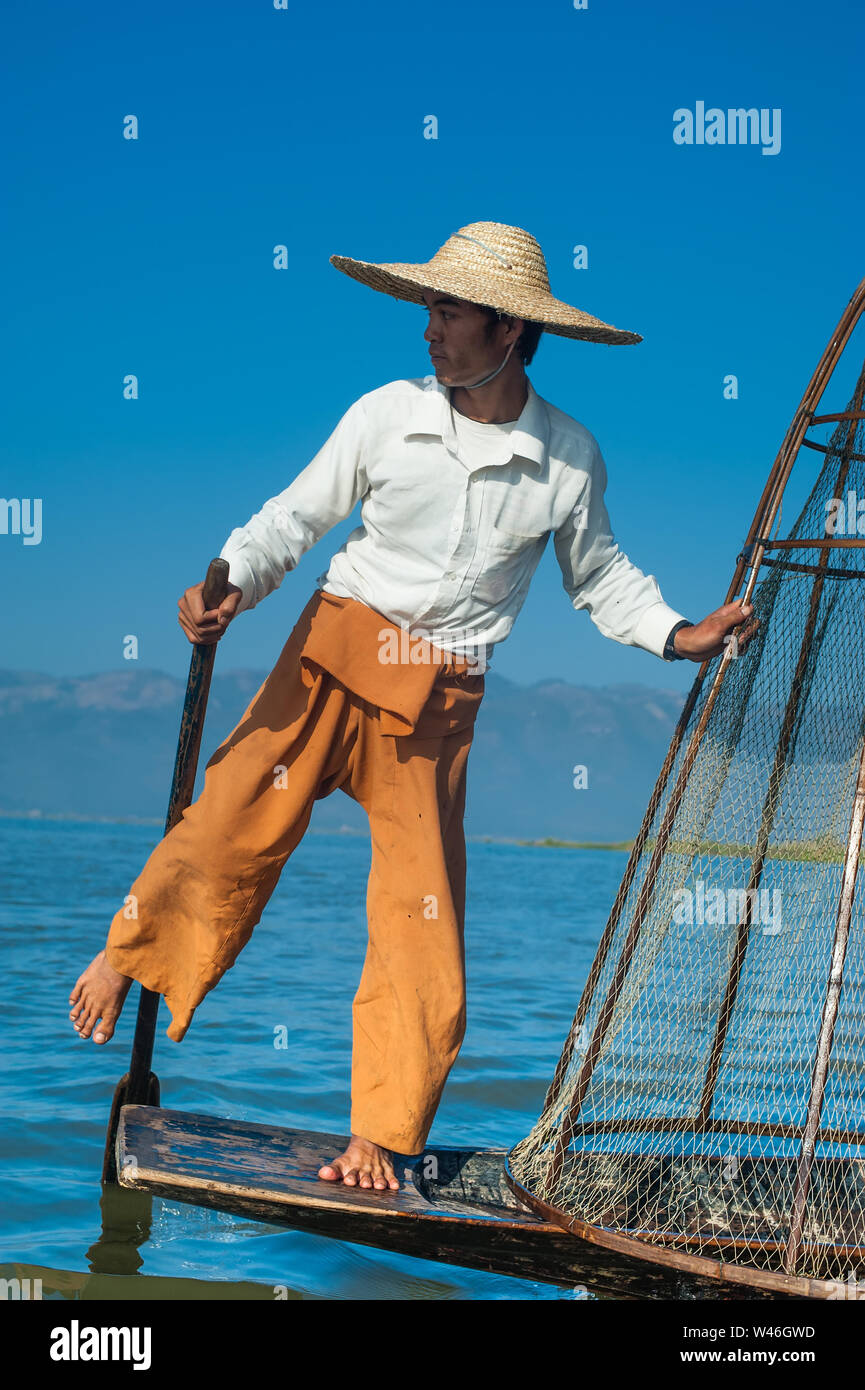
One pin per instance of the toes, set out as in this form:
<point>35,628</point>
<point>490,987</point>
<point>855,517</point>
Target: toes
<point>337,1172</point>
<point>358,1175</point>
<point>106,1028</point>
<point>79,1014</point>
<point>83,1004</point>
<point>386,1181</point>
<point>86,1024</point>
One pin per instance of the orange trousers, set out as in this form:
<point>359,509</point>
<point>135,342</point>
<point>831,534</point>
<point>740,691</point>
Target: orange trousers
<point>392,733</point>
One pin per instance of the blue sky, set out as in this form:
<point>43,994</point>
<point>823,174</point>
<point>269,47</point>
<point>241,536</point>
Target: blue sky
<point>305,127</point>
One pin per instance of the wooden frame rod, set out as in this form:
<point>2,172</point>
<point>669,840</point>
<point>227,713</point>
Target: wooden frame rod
<point>823,1052</point>
<point>834,419</point>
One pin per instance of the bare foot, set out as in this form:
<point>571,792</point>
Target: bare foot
<point>363,1164</point>
<point>98,994</point>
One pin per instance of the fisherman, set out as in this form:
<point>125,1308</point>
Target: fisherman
<point>462,478</point>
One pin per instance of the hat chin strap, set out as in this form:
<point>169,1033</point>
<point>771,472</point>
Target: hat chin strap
<point>470,386</point>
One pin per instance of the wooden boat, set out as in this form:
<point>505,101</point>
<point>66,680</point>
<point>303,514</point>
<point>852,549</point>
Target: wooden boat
<point>454,1205</point>
<point>465,1215</point>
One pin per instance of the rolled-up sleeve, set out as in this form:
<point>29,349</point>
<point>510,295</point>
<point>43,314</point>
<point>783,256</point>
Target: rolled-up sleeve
<point>325,492</point>
<point>623,602</point>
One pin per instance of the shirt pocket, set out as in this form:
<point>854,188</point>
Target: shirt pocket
<point>504,558</point>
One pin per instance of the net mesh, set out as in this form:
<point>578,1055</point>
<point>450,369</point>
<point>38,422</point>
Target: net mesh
<point>678,1111</point>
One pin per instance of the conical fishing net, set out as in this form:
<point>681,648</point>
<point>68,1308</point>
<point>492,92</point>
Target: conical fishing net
<point>710,1098</point>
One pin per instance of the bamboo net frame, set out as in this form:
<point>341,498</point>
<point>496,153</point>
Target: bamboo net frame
<point>708,1107</point>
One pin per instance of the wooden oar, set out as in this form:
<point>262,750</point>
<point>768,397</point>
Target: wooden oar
<point>140,1086</point>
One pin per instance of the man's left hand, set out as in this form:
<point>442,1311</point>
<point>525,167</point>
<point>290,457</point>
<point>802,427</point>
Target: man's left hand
<point>706,639</point>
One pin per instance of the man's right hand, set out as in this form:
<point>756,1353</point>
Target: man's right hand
<point>206,626</point>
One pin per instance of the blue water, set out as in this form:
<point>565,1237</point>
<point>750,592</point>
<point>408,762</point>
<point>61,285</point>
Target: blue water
<point>533,919</point>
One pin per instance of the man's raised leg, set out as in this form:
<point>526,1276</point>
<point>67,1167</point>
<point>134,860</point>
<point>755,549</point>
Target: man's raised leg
<point>202,891</point>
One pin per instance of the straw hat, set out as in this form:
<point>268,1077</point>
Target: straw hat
<point>492,264</point>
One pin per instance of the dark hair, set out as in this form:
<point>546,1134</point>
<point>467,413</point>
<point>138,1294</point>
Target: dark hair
<point>528,340</point>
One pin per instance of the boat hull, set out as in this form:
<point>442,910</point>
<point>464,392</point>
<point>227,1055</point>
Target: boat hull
<point>455,1206</point>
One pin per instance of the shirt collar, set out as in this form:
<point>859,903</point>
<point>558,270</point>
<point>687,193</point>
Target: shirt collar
<point>529,438</point>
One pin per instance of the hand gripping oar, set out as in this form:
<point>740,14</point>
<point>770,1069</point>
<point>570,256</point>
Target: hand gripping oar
<point>140,1086</point>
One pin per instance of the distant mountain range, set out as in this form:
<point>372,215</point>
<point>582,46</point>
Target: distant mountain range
<point>103,746</point>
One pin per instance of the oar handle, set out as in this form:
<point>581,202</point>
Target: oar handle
<point>215,584</point>
<point>195,701</point>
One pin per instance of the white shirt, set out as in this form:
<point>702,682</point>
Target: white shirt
<point>479,441</point>
<point>450,538</point>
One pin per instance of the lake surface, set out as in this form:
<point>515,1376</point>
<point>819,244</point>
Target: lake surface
<point>534,916</point>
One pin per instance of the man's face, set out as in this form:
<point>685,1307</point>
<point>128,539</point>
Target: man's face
<point>460,349</point>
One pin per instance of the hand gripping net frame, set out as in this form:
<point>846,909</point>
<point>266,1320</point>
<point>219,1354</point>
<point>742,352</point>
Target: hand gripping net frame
<point>708,1109</point>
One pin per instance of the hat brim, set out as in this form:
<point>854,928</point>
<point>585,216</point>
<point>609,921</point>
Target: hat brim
<point>407,281</point>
